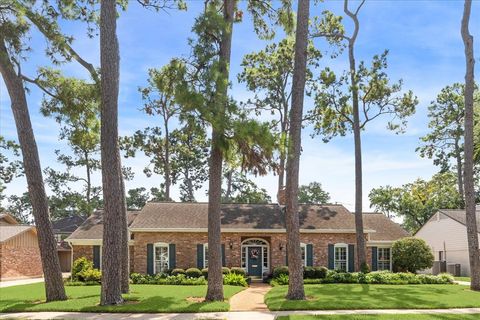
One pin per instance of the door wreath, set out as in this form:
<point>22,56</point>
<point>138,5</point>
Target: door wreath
<point>254,253</point>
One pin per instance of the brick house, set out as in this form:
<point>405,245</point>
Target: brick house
<point>166,235</point>
<point>19,253</point>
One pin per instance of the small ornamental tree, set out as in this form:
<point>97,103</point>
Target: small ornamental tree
<point>411,255</point>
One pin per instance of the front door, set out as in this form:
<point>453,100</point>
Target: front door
<point>255,261</point>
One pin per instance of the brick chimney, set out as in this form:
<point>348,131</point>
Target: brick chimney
<point>282,196</point>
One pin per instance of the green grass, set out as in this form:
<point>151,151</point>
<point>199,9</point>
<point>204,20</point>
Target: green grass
<point>467,279</point>
<point>142,298</point>
<point>384,317</point>
<point>364,296</point>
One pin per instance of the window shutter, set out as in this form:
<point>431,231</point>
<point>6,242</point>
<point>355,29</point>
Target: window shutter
<point>309,255</point>
<point>224,263</point>
<point>172,256</point>
<point>200,256</point>
<point>351,258</point>
<point>150,258</point>
<point>96,257</point>
<point>374,259</point>
<point>331,257</point>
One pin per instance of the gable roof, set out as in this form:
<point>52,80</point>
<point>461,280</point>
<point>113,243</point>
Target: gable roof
<point>459,215</point>
<point>9,231</point>
<point>385,228</point>
<point>67,224</point>
<point>7,218</point>
<point>92,227</point>
<point>178,215</point>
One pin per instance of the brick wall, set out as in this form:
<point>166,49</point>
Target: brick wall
<point>186,247</point>
<point>87,252</point>
<point>19,262</point>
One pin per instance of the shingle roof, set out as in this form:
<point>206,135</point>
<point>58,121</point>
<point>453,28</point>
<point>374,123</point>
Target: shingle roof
<point>6,218</point>
<point>92,227</point>
<point>10,231</point>
<point>385,228</point>
<point>67,224</point>
<point>459,215</point>
<point>177,215</point>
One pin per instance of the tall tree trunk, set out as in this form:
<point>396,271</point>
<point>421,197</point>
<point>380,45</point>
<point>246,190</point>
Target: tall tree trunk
<point>472,230</point>
<point>113,228</point>
<point>361,245</point>
<point>215,278</point>
<point>295,285</point>
<point>54,289</point>
<point>228,192</point>
<point>458,156</point>
<point>166,167</point>
<point>89,178</point>
<point>281,173</point>
<point>125,279</point>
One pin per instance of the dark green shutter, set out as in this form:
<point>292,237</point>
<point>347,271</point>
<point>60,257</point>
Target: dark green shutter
<point>309,255</point>
<point>96,257</point>
<point>331,257</point>
<point>200,256</point>
<point>351,258</point>
<point>374,259</point>
<point>172,256</point>
<point>150,258</point>
<point>224,263</point>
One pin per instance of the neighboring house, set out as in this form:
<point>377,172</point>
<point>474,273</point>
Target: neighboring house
<point>174,235</point>
<point>446,233</point>
<point>19,253</point>
<point>62,228</point>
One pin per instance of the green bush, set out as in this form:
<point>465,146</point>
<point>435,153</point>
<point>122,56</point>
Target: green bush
<point>282,279</point>
<point>237,270</point>
<point>364,268</point>
<point>91,275</point>
<point>80,265</point>
<point>320,272</point>
<point>193,273</point>
<point>205,272</point>
<point>176,272</point>
<point>225,270</point>
<point>308,273</point>
<point>280,271</point>
<point>234,279</point>
<point>411,254</point>
<point>164,279</point>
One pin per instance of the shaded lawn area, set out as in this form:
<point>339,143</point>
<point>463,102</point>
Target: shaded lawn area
<point>364,296</point>
<point>385,317</point>
<point>467,279</point>
<point>142,298</point>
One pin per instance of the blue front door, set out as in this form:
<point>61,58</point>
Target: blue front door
<point>255,261</point>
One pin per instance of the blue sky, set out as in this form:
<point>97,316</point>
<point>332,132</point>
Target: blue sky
<point>426,51</point>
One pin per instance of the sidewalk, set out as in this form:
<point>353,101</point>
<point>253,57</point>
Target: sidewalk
<point>19,282</point>
<point>250,299</point>
<point>256,315</point>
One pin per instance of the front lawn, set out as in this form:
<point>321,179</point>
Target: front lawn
<point>384,317</point>
<point>466,279</point>
<point>143,298</point>
<point>365,296</point>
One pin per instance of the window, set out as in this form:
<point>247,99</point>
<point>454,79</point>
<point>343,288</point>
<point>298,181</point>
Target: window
<point>303,248</point>
<point>205,255</point>
<point>341,257</point>
<point>161,257</point>
<point>383,259</point>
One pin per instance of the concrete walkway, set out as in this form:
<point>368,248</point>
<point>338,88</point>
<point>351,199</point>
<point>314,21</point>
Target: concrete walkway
<point>256,315</point>
<point>250,299</point>
<point>463,283</point>
<point>19,282</point>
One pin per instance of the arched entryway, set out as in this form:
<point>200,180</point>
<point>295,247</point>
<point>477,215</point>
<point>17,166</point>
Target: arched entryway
<point>255,256</point>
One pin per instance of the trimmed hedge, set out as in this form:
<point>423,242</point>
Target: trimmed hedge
<point>164,279</point>
<point>193,273</point>
<point>237,270</point>
<point>176,272</point>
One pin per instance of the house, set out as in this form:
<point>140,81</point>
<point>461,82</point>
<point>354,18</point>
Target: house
<point>62,228</point>
<point>446,233</point>
<point>19,253</point>
<point>174,235</point>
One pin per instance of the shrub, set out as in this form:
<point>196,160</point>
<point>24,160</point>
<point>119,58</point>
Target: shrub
<point>91,275</point>
<point>308,273</point>
<point>411,254</point>
<point>205,272</point>
<point>234,279</point>
<point>364,268</point>
<point>176,272</point>
<point>80,265</point>
<point>320,272</point>
<point>138,278</point>
<point>282,279</point>
<point>193,273</point>
<point>237,270</point>
<point>279,271</point>
<point>225,270</point>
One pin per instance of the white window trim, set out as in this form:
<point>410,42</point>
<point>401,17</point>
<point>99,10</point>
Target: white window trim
<point>160,244</point>
<point>383,247</point>
<point>205,258</point>
<point>340,245</point>
<point>304,247</point>
<point>265,245</point>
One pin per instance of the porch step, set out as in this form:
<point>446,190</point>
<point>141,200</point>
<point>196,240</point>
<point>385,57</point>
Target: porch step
<point>256,279</point>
